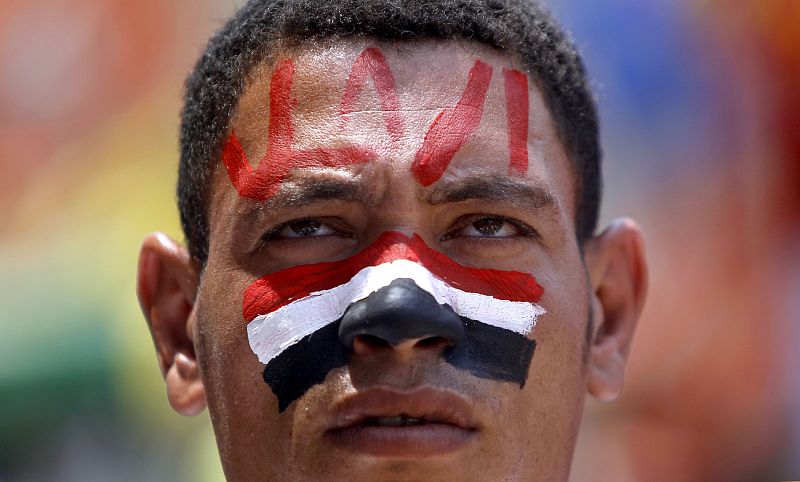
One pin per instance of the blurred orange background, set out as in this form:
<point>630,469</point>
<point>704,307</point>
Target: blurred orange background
<point>700,105</point>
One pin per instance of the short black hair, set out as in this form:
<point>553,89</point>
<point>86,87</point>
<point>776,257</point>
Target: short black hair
<point>521,28</point>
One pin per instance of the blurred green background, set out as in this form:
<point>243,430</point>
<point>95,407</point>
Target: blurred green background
<point>699,101</point>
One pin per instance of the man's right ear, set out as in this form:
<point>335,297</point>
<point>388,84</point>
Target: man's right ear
<point>166,285</point>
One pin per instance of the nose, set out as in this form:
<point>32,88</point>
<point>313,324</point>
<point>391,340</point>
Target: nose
<point>397,314</point>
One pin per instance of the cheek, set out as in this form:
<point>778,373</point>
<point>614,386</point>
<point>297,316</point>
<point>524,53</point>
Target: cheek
<point>556,381</point>
<point>239,402</point>
<point>558,362</point>
<point>561,333</point>
<point>543,418</point>
<point>232,375</point>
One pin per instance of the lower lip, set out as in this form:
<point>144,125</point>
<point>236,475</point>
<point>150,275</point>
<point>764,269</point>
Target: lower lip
<point>415,441</point>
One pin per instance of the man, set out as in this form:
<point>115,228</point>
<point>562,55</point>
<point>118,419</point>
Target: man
<point>391,270</point>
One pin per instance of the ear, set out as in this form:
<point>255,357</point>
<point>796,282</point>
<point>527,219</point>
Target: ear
<point>166,285</point>
<point>617,269</point>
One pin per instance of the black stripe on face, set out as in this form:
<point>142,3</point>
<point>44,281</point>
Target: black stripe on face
<point>305,364</point>
<point>486,351</point>
<point>491,352</point>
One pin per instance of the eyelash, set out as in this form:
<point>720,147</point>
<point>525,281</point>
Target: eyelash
<point>524,229</point>
<point>270,235</point>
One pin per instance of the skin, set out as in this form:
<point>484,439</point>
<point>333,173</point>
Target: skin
<point>523,434</point>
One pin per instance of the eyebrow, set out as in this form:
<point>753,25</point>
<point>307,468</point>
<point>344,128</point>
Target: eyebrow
<point>302,192</point>
<point>305,191</point>
<point>495,188</point>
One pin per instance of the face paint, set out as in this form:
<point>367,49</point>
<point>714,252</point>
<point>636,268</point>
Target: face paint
<point>372,63</point>
<point>264,181</point>
<point>452,127</point>
<point>303,319</point>
<point>450,130</point>
<point>516,84</point>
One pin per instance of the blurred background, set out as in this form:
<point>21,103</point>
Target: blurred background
<point>700,103</point>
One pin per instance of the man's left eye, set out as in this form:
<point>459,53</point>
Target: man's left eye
<point>489,227</point>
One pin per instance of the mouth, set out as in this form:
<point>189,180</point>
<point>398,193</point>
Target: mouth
<point>388,423</point>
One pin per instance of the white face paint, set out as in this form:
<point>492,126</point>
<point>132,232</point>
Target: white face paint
<point>272,333</point>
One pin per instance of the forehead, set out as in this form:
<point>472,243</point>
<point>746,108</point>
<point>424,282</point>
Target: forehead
<point>427,78</point>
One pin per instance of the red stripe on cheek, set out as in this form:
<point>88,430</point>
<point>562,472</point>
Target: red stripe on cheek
<point>279,289</point>
<point>452,128</point>
<point>516,84</point>
<point>372,63</point>
<point>504,285</point>
<point>264,181</point>
<point>275,290</point>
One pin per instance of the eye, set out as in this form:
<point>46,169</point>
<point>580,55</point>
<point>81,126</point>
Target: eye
<point>302,228</point>
<point>307,240</point>
<point>489,227</point>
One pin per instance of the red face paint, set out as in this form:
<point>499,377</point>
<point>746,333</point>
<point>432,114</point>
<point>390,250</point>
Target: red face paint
<point>372,63</point>
<point>516,84</point>
<point>264,181</point>
<point>452,127</point>
<point>279,289</point>
<point>449,132</point>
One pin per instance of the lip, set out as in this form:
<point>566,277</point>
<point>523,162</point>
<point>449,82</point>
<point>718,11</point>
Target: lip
<point>448,423</point>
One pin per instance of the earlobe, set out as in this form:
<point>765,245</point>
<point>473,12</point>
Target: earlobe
<point>166,286</point>
<point>617,269</point>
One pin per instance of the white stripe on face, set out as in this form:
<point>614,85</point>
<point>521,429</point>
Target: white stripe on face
<point>272,333</point>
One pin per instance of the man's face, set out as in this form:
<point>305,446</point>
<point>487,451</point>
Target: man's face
<point>430,146</point>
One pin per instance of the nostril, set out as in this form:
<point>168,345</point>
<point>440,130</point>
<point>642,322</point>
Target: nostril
<point>432,343</point>
<point>370,344</point>
<point>399,315</point>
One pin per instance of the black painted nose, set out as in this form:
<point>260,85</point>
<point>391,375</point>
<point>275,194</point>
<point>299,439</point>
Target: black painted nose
<point>400,312</point>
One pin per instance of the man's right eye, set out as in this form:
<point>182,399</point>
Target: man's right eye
<point>302,228</point>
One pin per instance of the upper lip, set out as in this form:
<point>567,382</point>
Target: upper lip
<point>432,405</point>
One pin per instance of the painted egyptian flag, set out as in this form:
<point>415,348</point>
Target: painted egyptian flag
<point>297,316</point>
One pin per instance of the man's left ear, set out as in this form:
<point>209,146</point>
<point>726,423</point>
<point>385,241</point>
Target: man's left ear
<point>617,269</point>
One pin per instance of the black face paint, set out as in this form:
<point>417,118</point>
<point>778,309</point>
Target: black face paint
<point>305,364</point>
<point>394,313</point>
<point>493,353</point>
